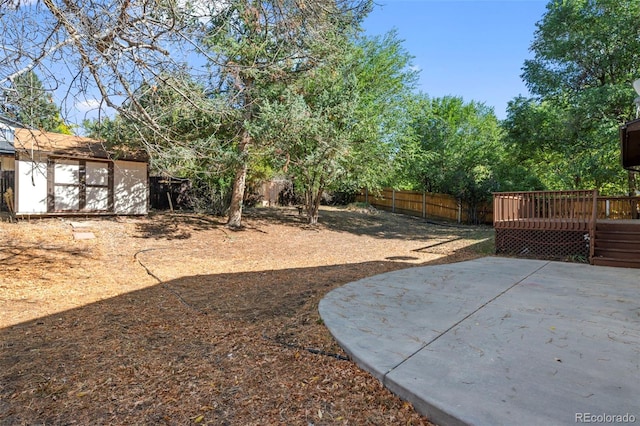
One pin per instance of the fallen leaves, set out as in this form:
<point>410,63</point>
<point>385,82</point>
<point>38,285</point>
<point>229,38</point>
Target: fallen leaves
<point>231,336</point>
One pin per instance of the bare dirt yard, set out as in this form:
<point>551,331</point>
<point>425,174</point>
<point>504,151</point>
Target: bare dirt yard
<point>175,319</point>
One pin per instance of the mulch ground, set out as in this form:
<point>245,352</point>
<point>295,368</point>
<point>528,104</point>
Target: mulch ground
<point>175,319</point>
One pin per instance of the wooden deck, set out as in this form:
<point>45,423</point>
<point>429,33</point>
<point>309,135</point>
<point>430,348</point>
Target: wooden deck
<point>569,224</point>
<point>565,224</point>
<point>617,243</point>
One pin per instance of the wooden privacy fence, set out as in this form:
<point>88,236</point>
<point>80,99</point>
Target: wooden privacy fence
<point>424,204</point>
<point>7,180</point>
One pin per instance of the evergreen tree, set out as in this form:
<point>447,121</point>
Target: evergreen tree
<point>30,103</point>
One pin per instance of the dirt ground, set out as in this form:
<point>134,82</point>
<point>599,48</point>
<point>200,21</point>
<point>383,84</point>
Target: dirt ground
<point>175,319</point>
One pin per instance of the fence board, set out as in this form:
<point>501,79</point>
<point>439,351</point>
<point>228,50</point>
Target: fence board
<point>7,180</point>
<point>176,189</point>
<point>423,204</point>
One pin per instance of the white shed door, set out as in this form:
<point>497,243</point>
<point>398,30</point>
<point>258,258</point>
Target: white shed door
<point>66,185</point>
<point>81,186</point>
<point>97,186</point>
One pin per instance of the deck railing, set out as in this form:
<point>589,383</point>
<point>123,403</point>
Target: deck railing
<point>545,210</point>
<point>618,207</point>
<point>522,221</point>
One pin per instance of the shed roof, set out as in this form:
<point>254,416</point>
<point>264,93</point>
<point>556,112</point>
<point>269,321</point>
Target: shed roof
<point>70,145</point>
<point>6,148</point>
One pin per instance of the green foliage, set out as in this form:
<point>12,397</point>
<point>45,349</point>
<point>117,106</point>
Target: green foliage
<point>385,79</point>
<point>336,126</point>
<point>582,44</point>
<point>30,103</point>
<point>190,139</point>
<point>457,149</point>
<point>257,47</point>
<point>586,54</point>
<point>311,124</point>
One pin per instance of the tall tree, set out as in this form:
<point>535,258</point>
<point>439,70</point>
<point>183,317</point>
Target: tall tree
<point>457,149</point>
<point>95,50</point>
<point>29,102</point>
<point>257,44</point>
<point>586,54</point>
<point>336,127</point>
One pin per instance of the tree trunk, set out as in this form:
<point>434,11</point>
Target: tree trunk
<point>313,205</point>
<point>239,182</point>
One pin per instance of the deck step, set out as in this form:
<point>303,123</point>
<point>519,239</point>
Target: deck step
<point>626,226</point>
<point>602,243</point>
<point>618,263</point>
<point>618,235</point>
<point>617,253</point>
<point>617,244</point>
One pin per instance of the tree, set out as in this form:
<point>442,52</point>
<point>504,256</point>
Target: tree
<point>30,103</point>
<point>312,125</point>
<point>116,50</point>
<point>457,149</point>
<point>256,45</point>
<point>95,48</point>
<point>586,54</point>
<point>335,126</point>
<point>385,81</point>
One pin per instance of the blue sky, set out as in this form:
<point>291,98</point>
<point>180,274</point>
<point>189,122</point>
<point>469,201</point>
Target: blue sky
<point>469,48</point>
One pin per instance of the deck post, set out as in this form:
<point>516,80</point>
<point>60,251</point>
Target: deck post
<point>592,226</point>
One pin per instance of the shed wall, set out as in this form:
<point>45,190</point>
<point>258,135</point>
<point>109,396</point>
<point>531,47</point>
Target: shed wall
<point>131,192</point>
<point>130,188</point>
<point>31,187</point>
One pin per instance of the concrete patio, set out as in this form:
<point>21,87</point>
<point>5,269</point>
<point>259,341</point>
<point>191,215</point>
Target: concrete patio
<point>499,341</point>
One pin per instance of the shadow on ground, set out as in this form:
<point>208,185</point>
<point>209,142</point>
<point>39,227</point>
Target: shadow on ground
<point>181,226</point>
<point>217,349</point>
<point>177,226</point>
<point>382,225</point>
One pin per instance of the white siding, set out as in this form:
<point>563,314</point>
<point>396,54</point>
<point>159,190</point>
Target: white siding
<point>130,187</point>
<point>31,187</point>
<point>97,173</point>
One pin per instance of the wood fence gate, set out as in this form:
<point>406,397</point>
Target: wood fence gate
<point>7,180</point>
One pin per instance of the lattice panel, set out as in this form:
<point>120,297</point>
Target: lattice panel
<point>557,245</point>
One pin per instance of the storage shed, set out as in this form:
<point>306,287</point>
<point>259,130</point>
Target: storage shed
<point>64,174</point>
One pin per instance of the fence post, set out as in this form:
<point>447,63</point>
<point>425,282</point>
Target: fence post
<point>366,195</point>
<point>424,205</point>
<point>393,201</point>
